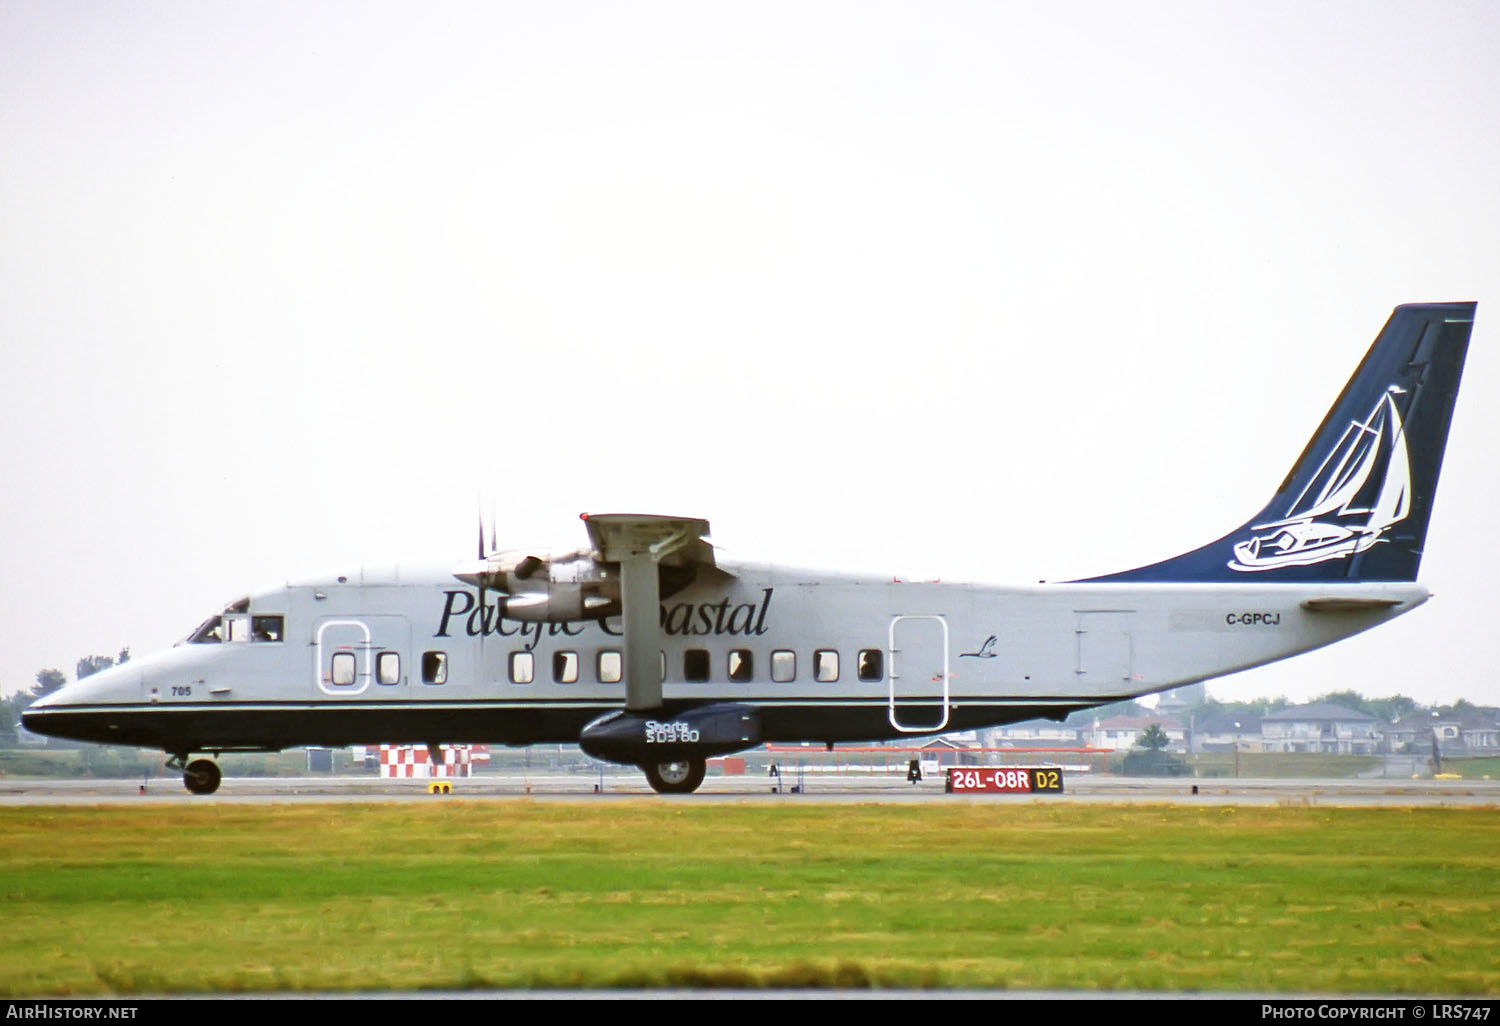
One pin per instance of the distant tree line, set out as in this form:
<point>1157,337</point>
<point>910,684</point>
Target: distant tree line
<point>1387,710</point>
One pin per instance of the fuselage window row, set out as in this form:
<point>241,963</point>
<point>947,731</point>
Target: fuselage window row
<point>697,666</point>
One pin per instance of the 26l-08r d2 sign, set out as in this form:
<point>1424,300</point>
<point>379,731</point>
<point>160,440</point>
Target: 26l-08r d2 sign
<point>1006,780</point>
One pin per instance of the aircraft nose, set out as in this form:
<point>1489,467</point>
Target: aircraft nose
<point>50,700</point>
<point>71,711</point>
<point>32,715</point>
<point>115,684</point>
<point>28,715</point>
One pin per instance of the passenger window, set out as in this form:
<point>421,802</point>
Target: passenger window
<point>522,668</point>
<point>695,665</point>
<point>434,667</point>
<point>343,668</point>
<point>388,668</point>
<point>825,666</point>
<point>565,667</point>
<point>610,668</point>
<point>783,666</point>
<point>266,628</point>
<point>871,664</point>
<point>741,665</point>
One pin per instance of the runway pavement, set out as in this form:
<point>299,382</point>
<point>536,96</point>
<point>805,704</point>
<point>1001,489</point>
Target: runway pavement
<point>809,787</point>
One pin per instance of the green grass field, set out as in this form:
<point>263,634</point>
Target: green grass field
<point>1473,769</point>
<point>612,893</point>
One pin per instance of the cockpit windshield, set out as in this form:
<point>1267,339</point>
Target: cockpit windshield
<point>210,632</point>
<point>215,629</point>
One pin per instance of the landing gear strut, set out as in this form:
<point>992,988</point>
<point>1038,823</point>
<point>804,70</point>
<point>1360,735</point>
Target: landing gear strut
<point>681,776</point>
<point>201,776</point>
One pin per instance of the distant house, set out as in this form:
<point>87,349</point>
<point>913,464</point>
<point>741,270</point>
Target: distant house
<point>1122,732</point>
<point>1322,727</point>
<point>946,751</point>
<point>1177,701</point>
<point>1224,733</point>
<point>1410,733</point>
<point>1038,733</point>
<point>1480,733</point>
<point>1468,735</point>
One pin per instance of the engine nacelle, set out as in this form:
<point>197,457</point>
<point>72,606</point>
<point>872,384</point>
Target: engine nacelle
<point>561,603</point>
<point>636,739</point>
<point>557,589</point>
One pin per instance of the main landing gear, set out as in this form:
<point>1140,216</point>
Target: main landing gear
<point>201,776</point>
<point>680,776</point>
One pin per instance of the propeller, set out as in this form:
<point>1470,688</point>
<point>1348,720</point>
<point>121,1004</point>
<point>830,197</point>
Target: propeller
<point>482,558</point>
<point>483,597</point>
<point>505,570</point>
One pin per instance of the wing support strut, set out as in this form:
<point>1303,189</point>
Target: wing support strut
<point>640,600</point>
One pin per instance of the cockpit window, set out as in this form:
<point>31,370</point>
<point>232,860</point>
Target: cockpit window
<point>210,632</point>
<point>267,628</point>
<point>215,629</point>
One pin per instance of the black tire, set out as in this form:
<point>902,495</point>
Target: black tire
<point>202,776</point>
<point>677,776</point>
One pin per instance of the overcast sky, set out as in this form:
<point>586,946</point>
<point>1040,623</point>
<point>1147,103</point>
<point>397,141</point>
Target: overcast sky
<point>983,291</point>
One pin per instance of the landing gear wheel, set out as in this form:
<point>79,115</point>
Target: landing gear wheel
<point>681,776</point>
<point>202,776</point>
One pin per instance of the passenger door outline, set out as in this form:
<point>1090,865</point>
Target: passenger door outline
<point>919,657</point>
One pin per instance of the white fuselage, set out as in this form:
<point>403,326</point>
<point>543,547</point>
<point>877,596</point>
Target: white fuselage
<point>403,655</point>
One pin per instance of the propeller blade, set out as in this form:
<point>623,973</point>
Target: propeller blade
<point>483,591</point>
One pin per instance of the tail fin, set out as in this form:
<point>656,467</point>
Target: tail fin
<point>1356,504</point>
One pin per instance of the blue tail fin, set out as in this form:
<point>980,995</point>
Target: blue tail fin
<point>1356,504</point>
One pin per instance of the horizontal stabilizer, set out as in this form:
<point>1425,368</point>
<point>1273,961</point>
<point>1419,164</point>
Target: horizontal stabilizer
<point>1348,605</point>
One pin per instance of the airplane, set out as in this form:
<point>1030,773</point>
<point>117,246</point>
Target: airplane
<point>646,647</point>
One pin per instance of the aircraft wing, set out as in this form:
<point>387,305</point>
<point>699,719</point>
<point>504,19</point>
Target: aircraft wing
<point>642,544</point>
<point>669,541</point>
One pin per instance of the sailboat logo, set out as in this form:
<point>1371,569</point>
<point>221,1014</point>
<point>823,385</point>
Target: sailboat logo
<point>1362,489</point>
